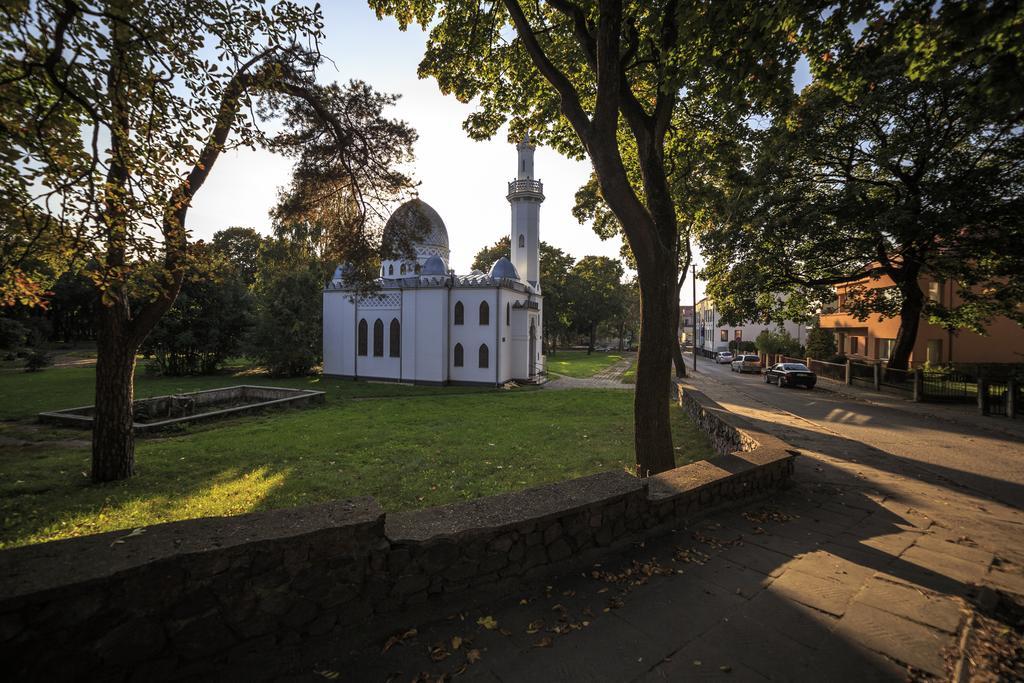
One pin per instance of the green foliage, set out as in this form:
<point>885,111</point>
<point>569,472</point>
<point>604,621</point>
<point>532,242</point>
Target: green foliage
<point>595,288</point>
<point>742,346</point>
<point>241,248</point>
<point>37,360</point>
<point>821,344</point>
<point>777,341</point>
<point>287,336</point>
<point>208,321</point>
<point>903,158</point>
<point>13,334</point>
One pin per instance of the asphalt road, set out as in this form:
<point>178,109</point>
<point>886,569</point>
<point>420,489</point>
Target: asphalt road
<point>964,453</point>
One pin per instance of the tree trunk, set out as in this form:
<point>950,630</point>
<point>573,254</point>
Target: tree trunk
<point>910,320</point>
<point>593,334</point>
<point>677,350</point>
<point>653,430</point>
<point>113,441</point>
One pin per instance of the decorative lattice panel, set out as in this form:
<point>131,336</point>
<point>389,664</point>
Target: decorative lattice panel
<point>382,301</point>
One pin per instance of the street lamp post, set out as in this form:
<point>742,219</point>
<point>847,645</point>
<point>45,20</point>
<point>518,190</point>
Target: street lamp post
<point>694,350</point>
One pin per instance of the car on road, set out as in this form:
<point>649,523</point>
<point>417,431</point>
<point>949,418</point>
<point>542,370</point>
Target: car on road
<point>746,363</point>
<point>724,357</point>
<point>791,375</point>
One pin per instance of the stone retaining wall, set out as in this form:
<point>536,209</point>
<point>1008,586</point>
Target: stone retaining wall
<point>194,597</point>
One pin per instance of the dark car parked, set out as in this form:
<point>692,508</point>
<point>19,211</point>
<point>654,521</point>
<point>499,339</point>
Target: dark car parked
<point>791,375</point>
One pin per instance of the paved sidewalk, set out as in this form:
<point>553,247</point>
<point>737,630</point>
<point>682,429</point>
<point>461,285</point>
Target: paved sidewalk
<point>862,571</point>
<point>608,378</point>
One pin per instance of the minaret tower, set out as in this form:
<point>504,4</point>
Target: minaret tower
<point>525,194</point>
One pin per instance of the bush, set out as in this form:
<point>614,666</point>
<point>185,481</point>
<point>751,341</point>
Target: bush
<point>821,344</point>
<point>773,342</point>
<point>36,361</point>
<point>288,335</point>
<point>13,334</point>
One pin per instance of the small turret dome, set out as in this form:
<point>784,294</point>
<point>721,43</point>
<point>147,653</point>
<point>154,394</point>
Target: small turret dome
<point>434,265</point>
<point>503,268</point>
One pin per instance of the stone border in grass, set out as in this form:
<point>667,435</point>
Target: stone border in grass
<point>265,397</point>
<point>200,596</point>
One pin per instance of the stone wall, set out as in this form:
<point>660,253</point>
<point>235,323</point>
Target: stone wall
<point>198,596</point>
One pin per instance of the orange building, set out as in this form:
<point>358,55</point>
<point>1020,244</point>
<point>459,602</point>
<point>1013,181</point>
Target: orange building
<point>874,338</point>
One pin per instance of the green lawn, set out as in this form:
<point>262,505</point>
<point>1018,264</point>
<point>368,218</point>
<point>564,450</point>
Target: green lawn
<point>408,451</point>
<point>579,363</point>
<point>23,394</point>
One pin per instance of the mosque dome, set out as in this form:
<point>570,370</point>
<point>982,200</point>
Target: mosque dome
<point>503,268</point>
<point>434,265</point>
<point>421,222</point>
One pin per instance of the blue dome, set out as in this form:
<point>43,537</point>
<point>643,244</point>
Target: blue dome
<point>434,265</point>
<point>503,268</point>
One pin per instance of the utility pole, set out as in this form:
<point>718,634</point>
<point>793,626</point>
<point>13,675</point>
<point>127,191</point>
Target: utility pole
<point>694,350</point>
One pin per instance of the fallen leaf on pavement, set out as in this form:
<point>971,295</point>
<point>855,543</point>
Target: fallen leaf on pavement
<point>488,623</point>
<point>544,642</point>
<point>456,642</point>
<point>473,656</point>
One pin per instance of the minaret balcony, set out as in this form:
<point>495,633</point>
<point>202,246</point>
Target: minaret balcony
<point>532,189</point>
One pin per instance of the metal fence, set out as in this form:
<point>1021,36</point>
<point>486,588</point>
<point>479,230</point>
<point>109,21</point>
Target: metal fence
<point>862,373</point>
<point>950,386</point>
<point>833,371</point>
<point>900,380</point>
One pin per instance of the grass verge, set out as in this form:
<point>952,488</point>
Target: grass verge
<point>407,452</point>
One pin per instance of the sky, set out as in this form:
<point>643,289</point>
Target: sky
<point>464,180</point>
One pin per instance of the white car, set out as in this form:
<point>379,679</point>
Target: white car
<point>746,363</point>
<point>724,357</point>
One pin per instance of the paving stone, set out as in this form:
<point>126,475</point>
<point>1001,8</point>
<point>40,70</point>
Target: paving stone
<point>932,609</point>
<point>735,579</point>
<point>675,610</point>
<point>947,565</point>
<point>831,566</point>
<point>782,544</point>
<point>704,660</point>
<point>948,546</point>
<point>841,659</point>
<point>889,542</point>
<point>899,638</point>
<point>759,559</point>
<point>767,652</point>
<point>799,622</point>
<point>825,594</point>
<point>610,649</point>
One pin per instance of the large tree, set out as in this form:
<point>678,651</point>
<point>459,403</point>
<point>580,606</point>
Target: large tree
<point>897,162</point>
<point>596,294</point>
<point>580,76</point>
<point>115,113</point>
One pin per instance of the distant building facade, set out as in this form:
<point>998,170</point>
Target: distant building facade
<point>713,335</point>
<point>686,324</point>
<point>873,339</point>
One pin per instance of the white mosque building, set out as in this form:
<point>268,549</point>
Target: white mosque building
<point>427,325</point>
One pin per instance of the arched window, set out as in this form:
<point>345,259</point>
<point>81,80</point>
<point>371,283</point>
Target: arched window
<point>522,241</point>
<point>460,313</point>
<point>484,355</point>
<point>457,361</point>
<point>361,338</point>
<point>403,269</point>
<point>508,314</point>
<point>391,269</point>
<point>378,338</point>
<point>417,267</point>
<point>395,343</point>
<point>485,313</point>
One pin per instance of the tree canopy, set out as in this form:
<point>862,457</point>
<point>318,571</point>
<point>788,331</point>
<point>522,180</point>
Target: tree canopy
<point>114,114</point>
<point>896,163</point>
